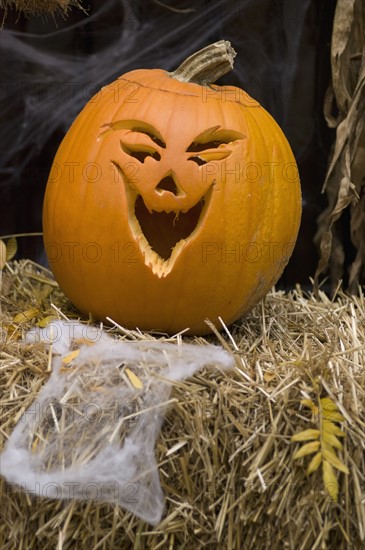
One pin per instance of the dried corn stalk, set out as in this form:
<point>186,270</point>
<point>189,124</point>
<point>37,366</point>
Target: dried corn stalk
<point>345,179</point>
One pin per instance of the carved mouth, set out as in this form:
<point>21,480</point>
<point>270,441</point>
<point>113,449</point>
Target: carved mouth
<point>164,230</point>
<point>163,235</point>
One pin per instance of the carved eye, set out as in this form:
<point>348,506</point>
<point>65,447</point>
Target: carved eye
<point>144,147</point>
<point>199,161</point>
<point>140,152</point>
<point>139,140</point>
<point>208,151</point>
<point>150,132</point>
<point>212,145</point>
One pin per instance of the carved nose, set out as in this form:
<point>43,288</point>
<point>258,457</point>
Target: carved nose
<point>168,183</point>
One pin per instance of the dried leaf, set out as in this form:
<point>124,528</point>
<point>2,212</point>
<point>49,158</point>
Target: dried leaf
<point>328,403</point>
<point>342,37</point>
<point>330,480</point>
<point>306,435</point>
<point>26,315</point>
<point>67,360</point>
<point>358,225</point>
<point>331,439</point>
<point>333,459</point>
<point>11,248</point>
<point>13,331</point>
<point>269,376</point>
<point>83,341</point>
<point>46,320</point>
<point>331,428</point>
<point>35,444</point>
<point>330,411</point>
<point>99,389</point>
<point>135,381</point>
<point>344,183</point>
<point>326,443</point>
<point>2,254</point>
<point>307,449</point>
<point>312,406</point>
<point>333,416</point>
<point>314,463</point>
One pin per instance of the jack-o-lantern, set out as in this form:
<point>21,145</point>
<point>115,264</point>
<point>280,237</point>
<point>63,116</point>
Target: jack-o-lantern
<point>171,200</point>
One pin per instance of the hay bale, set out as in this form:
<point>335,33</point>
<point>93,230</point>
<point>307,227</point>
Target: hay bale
<point>39,7</point>
<point>225,452</point>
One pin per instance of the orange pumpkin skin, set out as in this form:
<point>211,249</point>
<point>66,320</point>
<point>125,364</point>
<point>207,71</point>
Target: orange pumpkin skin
<point>169,203</point>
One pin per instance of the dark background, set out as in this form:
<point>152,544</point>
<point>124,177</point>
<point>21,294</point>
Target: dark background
<point>50,67</point>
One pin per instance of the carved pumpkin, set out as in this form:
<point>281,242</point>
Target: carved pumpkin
<point>171,201</point>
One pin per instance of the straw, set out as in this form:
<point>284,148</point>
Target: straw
<point>225,454</point>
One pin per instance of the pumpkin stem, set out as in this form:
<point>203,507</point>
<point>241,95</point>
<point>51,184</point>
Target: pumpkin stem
<point>206,65</point>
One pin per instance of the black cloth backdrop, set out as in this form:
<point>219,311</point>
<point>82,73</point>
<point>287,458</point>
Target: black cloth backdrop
<point>51,67</point>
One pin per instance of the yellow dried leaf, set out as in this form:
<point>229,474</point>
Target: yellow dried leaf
<point>332,440</point>
<point>332,458</point>
<point>26,315</point>
<point>100,389</point>
<point>34,444</point>
<point>11,248</point>
<point>2,254</point>
<point>307,449</point>
<point>328,403</point>
<point>331,428</point>
<point>329,410</point>
<point>330,480</point>
<point>13,331</point>
<point>314,463</point>
<point>135,381</point>
<point>333,416</point>
<point>46,320</point>
<point>269,376</point>
<point>312,406</point>
<point>70,357</point>
<point>83,341</point>
<point>306,435</point>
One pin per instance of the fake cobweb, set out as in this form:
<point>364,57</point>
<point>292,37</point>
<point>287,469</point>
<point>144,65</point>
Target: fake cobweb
<point>52,70</point>
<point>91,432</point>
